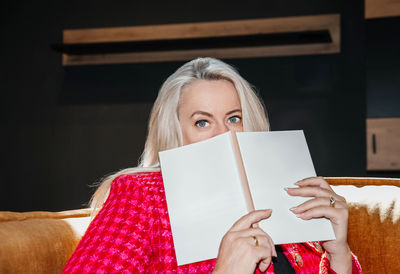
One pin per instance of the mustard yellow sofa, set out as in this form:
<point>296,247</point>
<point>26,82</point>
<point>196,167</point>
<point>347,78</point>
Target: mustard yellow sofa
<point>41,242</point>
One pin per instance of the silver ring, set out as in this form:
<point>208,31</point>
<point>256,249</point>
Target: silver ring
<point>255,240</point>
<point>332,201</point>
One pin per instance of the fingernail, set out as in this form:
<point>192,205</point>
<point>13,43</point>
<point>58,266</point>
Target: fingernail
<point>286,188</point>
<point>298,215</point>
<point>293,208</point>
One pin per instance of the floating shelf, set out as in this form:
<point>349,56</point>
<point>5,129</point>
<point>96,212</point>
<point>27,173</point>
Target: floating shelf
<point>381,8</point>
<point>301,35</point>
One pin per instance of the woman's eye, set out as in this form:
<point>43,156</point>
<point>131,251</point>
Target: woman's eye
<point>202,123</point>
<point>234,119</point>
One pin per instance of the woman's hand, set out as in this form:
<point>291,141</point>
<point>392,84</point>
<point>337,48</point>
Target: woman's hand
<point>338,250</point>
<point>243,247</point>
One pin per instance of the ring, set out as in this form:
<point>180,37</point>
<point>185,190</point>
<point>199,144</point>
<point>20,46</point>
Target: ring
<point>255,240</point>
<point>332,201</point>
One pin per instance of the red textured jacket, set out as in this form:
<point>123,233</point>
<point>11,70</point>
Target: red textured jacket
<point>132,234</point>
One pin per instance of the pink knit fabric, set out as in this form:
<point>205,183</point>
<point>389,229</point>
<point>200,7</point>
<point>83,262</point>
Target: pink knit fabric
<point>132,234</point>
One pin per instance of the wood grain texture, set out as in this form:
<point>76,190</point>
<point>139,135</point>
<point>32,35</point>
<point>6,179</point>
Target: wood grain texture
<point>386,155</point>
<point>361,181</point>
<point>329,22</point>
<point>180,55</point>
<point>381,8</point>
<point>201,30</point>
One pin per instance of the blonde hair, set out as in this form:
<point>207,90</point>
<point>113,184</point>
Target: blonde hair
<point>164,131</point>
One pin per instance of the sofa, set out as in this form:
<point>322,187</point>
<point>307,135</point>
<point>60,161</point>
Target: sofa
<point>42,242</point>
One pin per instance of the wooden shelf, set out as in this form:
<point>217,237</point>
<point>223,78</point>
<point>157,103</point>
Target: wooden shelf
<point>279,35</point>
<point>381,8</point>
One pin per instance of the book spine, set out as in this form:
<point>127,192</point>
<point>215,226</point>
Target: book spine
<point>242,172</point>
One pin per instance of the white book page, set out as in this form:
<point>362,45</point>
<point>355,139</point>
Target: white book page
<point>204,196</point>
<point>274,160</point>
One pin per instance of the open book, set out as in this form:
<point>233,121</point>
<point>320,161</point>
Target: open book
<point>208,184</point>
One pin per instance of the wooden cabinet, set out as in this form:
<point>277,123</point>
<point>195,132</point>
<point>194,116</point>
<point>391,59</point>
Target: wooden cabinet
<point>383,144</point>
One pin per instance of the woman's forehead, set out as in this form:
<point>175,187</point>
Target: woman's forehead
<point>203,89</point>
<point>209,95</point>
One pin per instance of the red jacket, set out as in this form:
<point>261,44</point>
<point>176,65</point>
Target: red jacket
<point>132,234</point>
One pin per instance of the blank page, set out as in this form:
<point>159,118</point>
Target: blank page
<point>204,196</point>
<point>272,161</point>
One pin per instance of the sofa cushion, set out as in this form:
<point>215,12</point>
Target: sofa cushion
<point>39,242</point>
<point>374,223</point>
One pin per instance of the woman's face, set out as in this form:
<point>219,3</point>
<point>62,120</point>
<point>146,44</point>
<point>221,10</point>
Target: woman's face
<point>208,108</point>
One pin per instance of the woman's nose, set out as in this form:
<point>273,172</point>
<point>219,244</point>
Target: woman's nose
<point>221,128</point>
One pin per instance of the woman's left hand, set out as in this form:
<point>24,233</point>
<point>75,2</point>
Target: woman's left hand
<point>338,250</point>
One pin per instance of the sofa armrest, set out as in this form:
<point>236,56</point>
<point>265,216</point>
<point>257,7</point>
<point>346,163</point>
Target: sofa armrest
<point>374,225</point>
<point>38,243</point>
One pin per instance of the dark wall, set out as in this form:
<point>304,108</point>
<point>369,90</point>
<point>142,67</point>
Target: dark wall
<point>383,67</point>
<point>65,128</point>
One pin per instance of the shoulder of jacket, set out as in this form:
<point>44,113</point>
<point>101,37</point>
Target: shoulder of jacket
<point>139,179</point>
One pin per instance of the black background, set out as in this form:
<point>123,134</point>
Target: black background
<point>63,128</point>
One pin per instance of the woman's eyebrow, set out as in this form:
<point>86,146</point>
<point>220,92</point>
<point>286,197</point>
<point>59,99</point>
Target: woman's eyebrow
<point>233,111</point>
<point>199,112</point>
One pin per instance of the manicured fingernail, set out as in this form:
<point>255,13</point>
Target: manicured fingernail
<point>293,208</point>
<point>298,215</point>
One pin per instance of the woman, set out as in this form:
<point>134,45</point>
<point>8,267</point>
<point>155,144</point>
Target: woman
<point>131,232</point>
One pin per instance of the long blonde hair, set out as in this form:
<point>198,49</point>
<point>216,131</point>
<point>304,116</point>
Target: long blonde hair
<point>164,131</point>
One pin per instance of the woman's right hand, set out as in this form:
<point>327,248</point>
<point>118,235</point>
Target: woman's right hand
<point>243,247</point>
